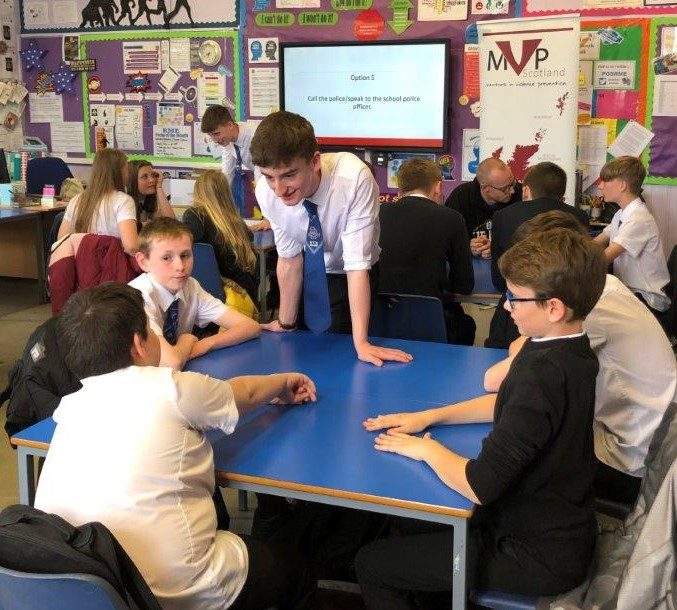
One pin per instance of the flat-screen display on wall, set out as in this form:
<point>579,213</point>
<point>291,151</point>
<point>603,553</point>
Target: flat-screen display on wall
<point>380,95</point>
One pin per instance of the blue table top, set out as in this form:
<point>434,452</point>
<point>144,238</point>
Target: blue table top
<point>322,448</point>
<point>15,213</point>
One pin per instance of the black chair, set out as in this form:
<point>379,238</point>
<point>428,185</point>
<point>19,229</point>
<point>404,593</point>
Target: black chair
<point>28,591</point>
<point>45,170</point>
<point>408,316</point>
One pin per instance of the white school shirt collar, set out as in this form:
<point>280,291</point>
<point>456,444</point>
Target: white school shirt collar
<point>544,339</point>
<point>165,297</point>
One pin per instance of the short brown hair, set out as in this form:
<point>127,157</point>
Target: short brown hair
<point>282,137</point>
<point>554,219</point>
<point>214,117</point>
<point>418,174</point>
<point>162,227</point>
<point>96,328</point>
<point>546,179</point>
<point>558,263</point>
<point>629,169</point>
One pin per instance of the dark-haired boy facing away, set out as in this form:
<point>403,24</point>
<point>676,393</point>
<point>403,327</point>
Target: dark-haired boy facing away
<point>175,301</point>
<point>534,532</point>
<point>130,451</point>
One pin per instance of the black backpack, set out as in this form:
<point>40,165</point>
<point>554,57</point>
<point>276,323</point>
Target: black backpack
<point>34,541</point>
<point>37,381</point>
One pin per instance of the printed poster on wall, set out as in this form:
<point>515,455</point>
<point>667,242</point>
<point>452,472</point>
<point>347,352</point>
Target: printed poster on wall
<point>79,15</point>
<point>529,92</point>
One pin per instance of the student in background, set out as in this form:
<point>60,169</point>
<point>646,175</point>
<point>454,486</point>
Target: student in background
<point>534,531</point>
<point>543,190</point>
<point>236,158</point>
<point>493,188</point>
<point>144,185</point>
<point>175,301</point>
<point>324,213</point>
<point>130,451</point>
<point>637,377</point>
<point>631,240</point>
<point>104,208</point>
<point>424,246</point>
<point>213,219</point>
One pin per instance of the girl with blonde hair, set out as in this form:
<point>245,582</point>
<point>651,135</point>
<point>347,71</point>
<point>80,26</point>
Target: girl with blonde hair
<point>104,208</point>
<point>213,219</point>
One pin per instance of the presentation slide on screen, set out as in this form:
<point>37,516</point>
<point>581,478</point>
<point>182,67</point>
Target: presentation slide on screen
<point>369,95</point>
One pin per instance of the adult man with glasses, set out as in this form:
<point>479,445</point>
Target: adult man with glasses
<point>493,188</point>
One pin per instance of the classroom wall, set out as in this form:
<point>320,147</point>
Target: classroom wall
<point>327,20</point>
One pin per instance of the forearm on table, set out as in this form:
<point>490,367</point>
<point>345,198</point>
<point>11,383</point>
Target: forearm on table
<point>359,297</point>
<point>290,279</point>
<point>450,468</point>
<point>475,410</point>
<point>251,391</point>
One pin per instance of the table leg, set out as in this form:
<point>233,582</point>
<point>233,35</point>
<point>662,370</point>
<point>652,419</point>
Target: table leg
<point>26,473</point>
<point>263,302</point>
<point>458,579</point>
<point>40,258</point>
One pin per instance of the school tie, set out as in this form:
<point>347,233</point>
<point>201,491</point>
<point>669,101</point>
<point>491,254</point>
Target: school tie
<point>315,292</point>
<point>171,324</point>
<point>238,185</point>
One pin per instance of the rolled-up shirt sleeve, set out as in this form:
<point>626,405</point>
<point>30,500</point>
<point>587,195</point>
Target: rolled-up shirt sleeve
<point>362,227</point>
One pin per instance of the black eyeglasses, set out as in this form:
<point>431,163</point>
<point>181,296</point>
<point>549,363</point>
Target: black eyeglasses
<point>504,189</point>
<point>512,299</point>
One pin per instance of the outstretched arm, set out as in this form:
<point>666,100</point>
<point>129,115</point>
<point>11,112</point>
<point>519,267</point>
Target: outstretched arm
<point>359,296</point>
<point>287,388</point>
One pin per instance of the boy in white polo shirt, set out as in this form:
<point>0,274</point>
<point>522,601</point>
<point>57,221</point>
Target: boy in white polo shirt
<point>175,301</point>
<point>631,240</point>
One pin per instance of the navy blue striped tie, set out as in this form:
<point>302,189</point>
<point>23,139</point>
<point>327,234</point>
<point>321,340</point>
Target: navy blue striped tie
<point>315,291</point>
<point>171,324</point>
<point>239,179</point>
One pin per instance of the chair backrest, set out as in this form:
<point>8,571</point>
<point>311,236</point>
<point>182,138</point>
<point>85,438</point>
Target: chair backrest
<point>408,316</point>
<point>27,591</point>
<point>206,270</point>
<point>45,170</point>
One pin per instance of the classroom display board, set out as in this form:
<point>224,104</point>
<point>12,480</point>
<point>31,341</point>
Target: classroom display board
<point>598,8</point>
<point>613,59</point>
<point>269,24</point>
<point>142,92</point>
<point>660,157</point>
<point>95,15</point>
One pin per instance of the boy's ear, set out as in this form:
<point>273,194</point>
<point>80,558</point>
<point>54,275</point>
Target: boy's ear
<point>138,349</point>
<point>557,310</point>
<point>526,193</point>
<point>141,260</point>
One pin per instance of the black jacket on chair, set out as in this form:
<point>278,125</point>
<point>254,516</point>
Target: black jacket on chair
<point>34,541</point>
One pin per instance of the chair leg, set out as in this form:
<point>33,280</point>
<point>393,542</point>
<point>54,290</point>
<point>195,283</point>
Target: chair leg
<point>242,500</point>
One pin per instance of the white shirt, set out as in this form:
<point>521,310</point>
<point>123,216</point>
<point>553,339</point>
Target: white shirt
<point>129,451</point>
<point>347,205</point>
<point>642,266</point>
<point>197,306</point>
<point>115,208</point>
<point>637,377</point>
<point>229,156</point>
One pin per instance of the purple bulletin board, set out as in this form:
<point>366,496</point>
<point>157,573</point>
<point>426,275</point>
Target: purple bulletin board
<point>376,19</point>
<point>107,50</point>
<point>660,156</point>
